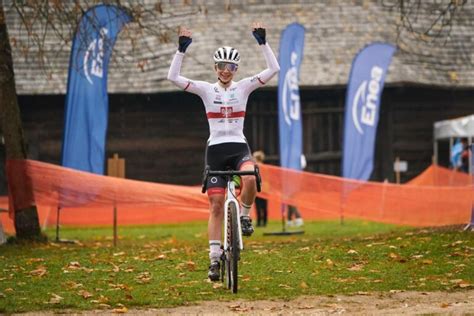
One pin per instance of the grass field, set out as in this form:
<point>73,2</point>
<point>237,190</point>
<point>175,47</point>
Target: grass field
<point>164,266</point>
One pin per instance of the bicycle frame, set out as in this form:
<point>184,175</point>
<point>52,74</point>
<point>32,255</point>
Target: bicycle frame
<point>230,198</point>
<point>232,250</point>
<point>230,195</point>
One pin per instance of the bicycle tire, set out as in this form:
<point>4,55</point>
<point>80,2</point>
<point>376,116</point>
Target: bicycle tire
<point>223,263</point>
<point>227,252</point>
<point>235,247</point>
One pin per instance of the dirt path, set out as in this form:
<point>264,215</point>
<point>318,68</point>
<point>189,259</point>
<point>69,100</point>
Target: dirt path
<point>408,303</point>
<point>398,303</point>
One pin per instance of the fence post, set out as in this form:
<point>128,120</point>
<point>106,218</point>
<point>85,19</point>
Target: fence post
<point>115,168</point>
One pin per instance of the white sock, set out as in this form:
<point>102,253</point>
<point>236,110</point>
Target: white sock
<point>245,209</point>
<point>215,250</point>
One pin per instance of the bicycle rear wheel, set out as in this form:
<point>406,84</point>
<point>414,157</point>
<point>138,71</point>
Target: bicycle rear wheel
<point>235,247</point>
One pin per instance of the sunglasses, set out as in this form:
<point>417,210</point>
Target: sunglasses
<point>228,66</point>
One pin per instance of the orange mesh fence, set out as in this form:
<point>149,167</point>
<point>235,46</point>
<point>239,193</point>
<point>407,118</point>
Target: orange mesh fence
<point>88,199</point>
<point>440,176</point>
<point>382,202</point>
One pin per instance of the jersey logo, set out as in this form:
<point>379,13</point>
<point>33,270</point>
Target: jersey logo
<point>227,111</point>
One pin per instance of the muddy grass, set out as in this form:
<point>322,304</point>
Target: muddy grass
<point>396,303</point>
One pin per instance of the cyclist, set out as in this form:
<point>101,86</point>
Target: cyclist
<point>225,102</point>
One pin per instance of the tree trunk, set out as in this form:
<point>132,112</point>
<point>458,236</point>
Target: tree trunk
<point>26,218</point>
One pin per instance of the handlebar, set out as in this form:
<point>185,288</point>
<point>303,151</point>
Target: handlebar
<point>229,173</point>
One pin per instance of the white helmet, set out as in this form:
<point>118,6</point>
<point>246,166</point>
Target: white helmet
<point>227,54</point>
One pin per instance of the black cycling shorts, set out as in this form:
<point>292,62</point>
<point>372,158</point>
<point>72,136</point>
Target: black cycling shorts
<point>225,156</point>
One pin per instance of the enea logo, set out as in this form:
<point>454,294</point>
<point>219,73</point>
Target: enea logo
<point>290,95</point>
<point>95,52</point>
<point>364,105</point>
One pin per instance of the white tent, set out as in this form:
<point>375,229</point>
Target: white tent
<point>451,129</point>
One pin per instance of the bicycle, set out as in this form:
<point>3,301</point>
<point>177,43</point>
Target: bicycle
<point>233,243</point>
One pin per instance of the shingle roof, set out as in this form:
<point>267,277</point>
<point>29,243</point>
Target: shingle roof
<point>335,32</point>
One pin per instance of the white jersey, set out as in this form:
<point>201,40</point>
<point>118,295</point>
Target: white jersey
<point>225,107</point>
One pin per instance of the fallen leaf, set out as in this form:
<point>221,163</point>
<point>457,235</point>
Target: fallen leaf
<point>395,291</point>
<point>120,310</point>
<point>84,294</point>
<point>356,267</point>
<point>427,261</point>
<point>445,305</point>
<point>393,255</point>
<point>303,285</point>
<point>144,277</point>
<point>191,265</point>
<point>102,300</point>
<point>238,308</point>
<point>55,299</point>
<point>73,285</point>
<point>31,260</point>
<point>306,307</point>
<point>160,257</point>
<point>116,267</point>
<point>352,252</point>
<point>73,265</point>
<point>120,286</point>
<point>464,284</point>
<point>39,272</point>
<point>457,281</point>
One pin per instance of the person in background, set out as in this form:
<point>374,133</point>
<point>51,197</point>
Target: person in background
<point>261,205</point>
<point>294,216</point>
<point>464,156</point>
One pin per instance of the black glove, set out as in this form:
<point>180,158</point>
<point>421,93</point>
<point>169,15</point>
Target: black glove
<point>259,35</point>
<point>184,42</point>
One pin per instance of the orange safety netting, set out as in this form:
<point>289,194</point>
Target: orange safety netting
<point>440,176</point>
<point>88,199</point>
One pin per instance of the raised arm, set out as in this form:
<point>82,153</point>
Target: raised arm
<point>175,68</point>
<point>174,75</point>
<point>259,32</point>
<point>272,64</point>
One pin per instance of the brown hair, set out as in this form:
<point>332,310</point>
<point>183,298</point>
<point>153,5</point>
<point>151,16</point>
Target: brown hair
<point>259,156</point>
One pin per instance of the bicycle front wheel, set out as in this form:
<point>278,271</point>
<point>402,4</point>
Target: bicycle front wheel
<point>235,247</point>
